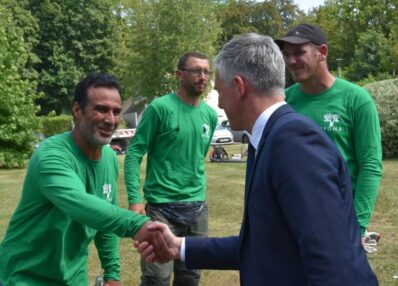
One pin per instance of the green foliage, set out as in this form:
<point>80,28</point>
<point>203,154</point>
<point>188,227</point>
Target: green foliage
<point>385,94</point>
<point>75,38</point>
<point>163,31</point>
<point>368,57</point>
<point>25,25</point>
<point>56,124</point>
<point>18,121</point>
<point>266,17</point>
<point>123,36</point>
<point>372,79</point>
<point>122,124</point>
<point>234,18</point>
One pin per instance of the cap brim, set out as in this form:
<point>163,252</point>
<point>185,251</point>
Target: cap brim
<point>291,40</point>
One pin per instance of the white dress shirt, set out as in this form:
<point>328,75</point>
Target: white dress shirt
<point>260,123</point>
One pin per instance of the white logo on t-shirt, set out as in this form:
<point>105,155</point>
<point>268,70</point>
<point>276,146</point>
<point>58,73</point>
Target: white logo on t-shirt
<point>333,121</point>
<point>106,191</point>
<point>331,118</point>
<point>206,130</point>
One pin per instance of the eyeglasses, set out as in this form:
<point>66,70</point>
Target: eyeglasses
<point>198,72</point>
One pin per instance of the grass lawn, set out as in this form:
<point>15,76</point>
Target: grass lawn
<point>225,199</point>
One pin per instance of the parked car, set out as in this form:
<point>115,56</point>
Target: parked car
<point>239,135</point>
<point>121,139</point>
<point>222,136</point>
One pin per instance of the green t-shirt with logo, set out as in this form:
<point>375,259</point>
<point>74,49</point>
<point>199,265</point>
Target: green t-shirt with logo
<point>176,138</point>
<point>67,201</point>
<point>347,113</point>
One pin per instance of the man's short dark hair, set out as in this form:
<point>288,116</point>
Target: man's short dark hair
<point>184,58</point>
<point>95,79</point>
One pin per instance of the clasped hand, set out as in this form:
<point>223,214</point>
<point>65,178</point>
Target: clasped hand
<point>156,243</point>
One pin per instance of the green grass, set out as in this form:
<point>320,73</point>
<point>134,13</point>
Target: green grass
<point>225,199</point>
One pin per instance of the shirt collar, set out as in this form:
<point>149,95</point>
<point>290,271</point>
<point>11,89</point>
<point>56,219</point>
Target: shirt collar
<point>260,123</point>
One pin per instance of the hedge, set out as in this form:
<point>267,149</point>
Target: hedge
<point>385,94</point>
<point>56,124</point>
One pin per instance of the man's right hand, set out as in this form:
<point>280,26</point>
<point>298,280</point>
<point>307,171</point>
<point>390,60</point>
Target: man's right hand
<point>138,208</point>
<point>163,248</point>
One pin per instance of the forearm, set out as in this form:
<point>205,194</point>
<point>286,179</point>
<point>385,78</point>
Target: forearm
<point>65,190</point>
<point>132,173</point>
<point>365,197</point>
<point>368,151</point>
<point>107,245</point>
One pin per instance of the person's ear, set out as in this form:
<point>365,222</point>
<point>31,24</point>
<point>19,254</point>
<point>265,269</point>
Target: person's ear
<point>240,85</point>
<point>178,74</point>
<point>323,50</point>
<point>75,109</point>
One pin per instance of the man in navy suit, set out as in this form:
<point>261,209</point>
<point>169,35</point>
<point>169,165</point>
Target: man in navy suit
<point>299,226</point>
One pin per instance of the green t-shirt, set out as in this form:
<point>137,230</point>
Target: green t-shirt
<point>176,136</point>
<point>65,199</point>
<point>347,113</point>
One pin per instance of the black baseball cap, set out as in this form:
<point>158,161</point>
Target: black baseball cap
<point>303,33</point>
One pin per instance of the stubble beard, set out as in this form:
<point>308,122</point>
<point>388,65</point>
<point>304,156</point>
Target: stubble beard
<point>193,91</point>
<point>93,137</point>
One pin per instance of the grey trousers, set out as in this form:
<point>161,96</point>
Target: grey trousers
<point>156,274</point>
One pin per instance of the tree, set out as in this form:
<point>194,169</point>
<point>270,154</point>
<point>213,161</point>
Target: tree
<point>75,38</point>
<point>25,25</point>
<point>391,63</point>
<point>163,31</point>
<point>289,12</point>
<point>234,17</point>
<point>368,57</point>
<point>271,18</point>
<point>124,36</point>
<point>18,121</point>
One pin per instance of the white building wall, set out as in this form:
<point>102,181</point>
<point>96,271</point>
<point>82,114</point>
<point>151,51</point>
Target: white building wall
<point>212,100</point>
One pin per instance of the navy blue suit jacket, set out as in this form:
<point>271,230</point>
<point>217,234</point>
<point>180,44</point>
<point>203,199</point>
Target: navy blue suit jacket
<point>299,226</point>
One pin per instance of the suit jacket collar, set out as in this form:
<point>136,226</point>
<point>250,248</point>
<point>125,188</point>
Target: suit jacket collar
<point>267,128</point>
<point>261,121</point>
<point>250,170</point>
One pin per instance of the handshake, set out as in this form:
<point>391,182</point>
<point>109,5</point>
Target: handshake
<point>156,243</point>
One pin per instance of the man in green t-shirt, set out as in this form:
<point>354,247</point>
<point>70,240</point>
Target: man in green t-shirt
<point>175,131</point>
<point>69,198</point>
<point>345,111</point>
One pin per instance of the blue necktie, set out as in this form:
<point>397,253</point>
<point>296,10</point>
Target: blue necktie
<point>251,153</point>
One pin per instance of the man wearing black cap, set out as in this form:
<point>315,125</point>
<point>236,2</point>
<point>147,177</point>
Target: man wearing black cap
<point>342,109</point>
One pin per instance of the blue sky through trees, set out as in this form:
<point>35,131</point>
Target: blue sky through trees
<point>308,4</point>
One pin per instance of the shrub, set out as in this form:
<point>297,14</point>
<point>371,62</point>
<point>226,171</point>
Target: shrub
<point>372,79</point>
<point>385,94</point>
<point>53,124</point>
<point>56,124</point>
<point>17,95</point>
